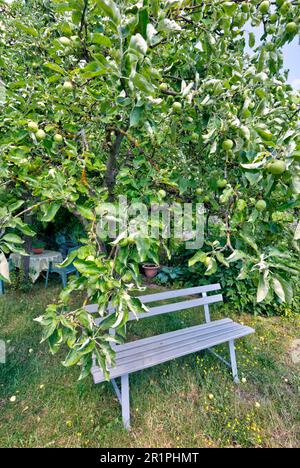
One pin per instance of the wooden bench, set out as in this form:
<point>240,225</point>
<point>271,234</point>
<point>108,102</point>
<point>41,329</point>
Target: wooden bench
<point>147,352</point>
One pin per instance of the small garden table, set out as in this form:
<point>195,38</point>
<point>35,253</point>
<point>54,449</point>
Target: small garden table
<point>37,262</point>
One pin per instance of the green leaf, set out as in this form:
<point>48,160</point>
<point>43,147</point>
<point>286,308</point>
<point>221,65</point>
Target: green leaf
<point>100,39</point>
<point>48,330</point>
<point>143,246</point>
<point>143,84</point>
<point>297,232</point>
<point>24,228</point>
<point>86,212</point>
<point>264,133</point>
<point>229,8</point>
<point>168,25</point>
<point>236,256</point>
<point>278,288</point>
<point>93,69</point>
<point>155,7</point>
<point>212,267</point>
<point>72,358</point>
<point>4,268</point>
<point>50,212</point>
<point>263,288</point>
<point>55,67</point>
<point>287,287</point>
<point>26,29</point>
<point>250,241</point>
<point>111,10</point>
<point>13,238</point>
<point>70,258</point>
<point>135,116</point>
<point>15,206</point>
<point>222,259</point>
<point>143,21</point>
<point>87,267</point>
<point>198,257</point>
<point>251,39</point>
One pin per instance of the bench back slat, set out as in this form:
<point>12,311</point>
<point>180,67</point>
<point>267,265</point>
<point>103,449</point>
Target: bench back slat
<point>205,300</point>
<point>182,305</point>
<point>179,293</point>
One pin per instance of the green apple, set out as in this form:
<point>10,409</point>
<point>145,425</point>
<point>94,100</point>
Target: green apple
<point>40,135</point>
<point>33,126</point>
<point>241,204</point>
<point>58,138</point>
<point>264,7</point>
<point>273,18</point>
<point>162,193</point>
<point>227,145</point>
<point>68,85</point>
<point>199,191</point>
<point>221,183</point>
<point>177,107</point>
<point>261,205</point>
<point>284,9</point>
<point>277,167</point>
<point>65,41</point>
<point>291,28</point>
<point>195,137</point>
<point>163,87</point>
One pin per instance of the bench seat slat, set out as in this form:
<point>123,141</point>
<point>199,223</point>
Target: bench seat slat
<point>166,349</point>
<point>179,340</point>
<point>156,338</point>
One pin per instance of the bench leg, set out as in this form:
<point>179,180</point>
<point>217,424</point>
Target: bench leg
<point>233,361</point>
<point>125,400</point>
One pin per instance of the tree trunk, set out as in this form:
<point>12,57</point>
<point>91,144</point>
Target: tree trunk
<point>28,247</point>
<point>111,167</point>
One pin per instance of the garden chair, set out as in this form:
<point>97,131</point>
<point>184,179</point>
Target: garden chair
<point>63,272</point>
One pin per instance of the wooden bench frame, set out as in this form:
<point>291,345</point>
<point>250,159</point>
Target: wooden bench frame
<point>216,332</point>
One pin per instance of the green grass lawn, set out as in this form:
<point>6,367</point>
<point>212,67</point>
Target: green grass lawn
<point>190,402</point>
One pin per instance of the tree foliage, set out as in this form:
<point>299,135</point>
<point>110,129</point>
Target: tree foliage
<point>101,98</point>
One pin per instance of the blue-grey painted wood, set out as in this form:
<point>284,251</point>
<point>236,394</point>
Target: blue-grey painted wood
<point>182,305</point>
<point>141,354</point>
<point>172,343</point>
<point>167,308</point>
<point>117,390</point>
<point>150,353</point>
<point>149,298</point>
<point>233,361</point>
<point>154,341</point>
<point>179,293</point>
<point>125,400</point>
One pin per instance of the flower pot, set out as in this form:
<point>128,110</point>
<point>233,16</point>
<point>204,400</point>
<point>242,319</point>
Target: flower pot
<point>38,251</point>
<point>150,269</point>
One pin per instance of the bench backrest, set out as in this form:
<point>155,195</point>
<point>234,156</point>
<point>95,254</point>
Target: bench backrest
<point>204,300</point>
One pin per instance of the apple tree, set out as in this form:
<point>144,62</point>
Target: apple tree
<point>178,100</point>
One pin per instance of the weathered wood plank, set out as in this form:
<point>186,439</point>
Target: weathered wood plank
<point>179,293</point>
<point>167,308</point>
<point>168,349</point>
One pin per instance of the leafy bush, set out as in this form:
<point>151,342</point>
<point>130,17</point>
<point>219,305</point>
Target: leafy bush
<point>240,294</point>
<point>19,282</point>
